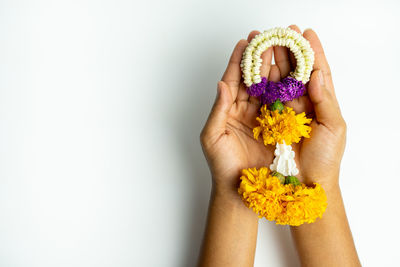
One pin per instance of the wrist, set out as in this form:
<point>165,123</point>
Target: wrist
<point>226,193</point>
<point>227,196</point>
<point>231,205</point>
<point>332,190</point>
<point>328,182</point>
<point>330,186</point>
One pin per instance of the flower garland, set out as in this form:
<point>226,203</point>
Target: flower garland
<point>274,192</point>
<point>284,203</point>
<point>281,126</point>
<point>298,45</point>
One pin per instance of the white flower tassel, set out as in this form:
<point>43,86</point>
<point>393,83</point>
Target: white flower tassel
<point>284,160</point>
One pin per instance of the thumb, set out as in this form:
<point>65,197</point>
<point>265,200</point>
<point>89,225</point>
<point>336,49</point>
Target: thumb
<point>216,123</point>
<point>326,107</point>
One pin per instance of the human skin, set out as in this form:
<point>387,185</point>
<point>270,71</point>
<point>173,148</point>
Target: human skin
<point>228,145</point>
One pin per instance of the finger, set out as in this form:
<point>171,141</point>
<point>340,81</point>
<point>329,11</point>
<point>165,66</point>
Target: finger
<point>281,55</point>
<point>251,35</point>
<point>216,123</point>
<point>242,93</point>
<point>264,71</point>
<point>284,59</point>
<point>292,59</point>
<point>232,75</point>
<point>266,62</point>
<point>326,108</point>
<point>274,74</point>
<point>266,57</point>
<point>320,61</point>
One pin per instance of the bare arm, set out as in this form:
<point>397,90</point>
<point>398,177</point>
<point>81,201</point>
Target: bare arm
<point>327,242</point>
<point>231,233</point>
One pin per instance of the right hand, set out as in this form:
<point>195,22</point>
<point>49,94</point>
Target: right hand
<point>319,157</point>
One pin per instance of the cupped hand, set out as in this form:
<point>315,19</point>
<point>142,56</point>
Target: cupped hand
<point>227,138</point>
<point>318,158</point>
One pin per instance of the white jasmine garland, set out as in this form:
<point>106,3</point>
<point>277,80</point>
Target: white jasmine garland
<point>297,44</point>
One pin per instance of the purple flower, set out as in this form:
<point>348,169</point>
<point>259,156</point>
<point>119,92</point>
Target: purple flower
<point>271,93</point>
<point>286,90</point>
<point>294,88</point>
<point>257,89</point>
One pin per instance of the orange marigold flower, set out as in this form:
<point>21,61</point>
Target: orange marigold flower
<point>282,127</point>
<point>284,204</point>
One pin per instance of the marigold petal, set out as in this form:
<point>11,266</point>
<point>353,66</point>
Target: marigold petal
<point>282,127</point>
<point>284,204</point>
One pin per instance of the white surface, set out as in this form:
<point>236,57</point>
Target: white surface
<point>102,102</point>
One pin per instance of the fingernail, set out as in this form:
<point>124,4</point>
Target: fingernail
<point>308,29</point>
<point>321,78</point>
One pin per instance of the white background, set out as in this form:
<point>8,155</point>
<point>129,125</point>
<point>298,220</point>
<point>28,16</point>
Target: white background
<point>102,102</point>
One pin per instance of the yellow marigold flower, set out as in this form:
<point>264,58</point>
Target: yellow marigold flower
<point>285,204</point>
<point>277,127</point>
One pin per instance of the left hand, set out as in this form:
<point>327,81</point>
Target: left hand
<point>227,138</point>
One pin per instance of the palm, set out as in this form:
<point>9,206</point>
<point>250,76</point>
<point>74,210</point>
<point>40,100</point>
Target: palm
<point>237,147</point>
<point>324,147</point>
<point>241,123</point>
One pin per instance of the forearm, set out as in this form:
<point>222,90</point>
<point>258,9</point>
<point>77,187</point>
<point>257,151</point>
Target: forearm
<point>231,232</point>
<point>328,241</point>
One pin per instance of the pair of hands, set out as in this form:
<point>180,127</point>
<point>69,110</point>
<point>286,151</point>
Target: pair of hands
<point>227,138</point>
